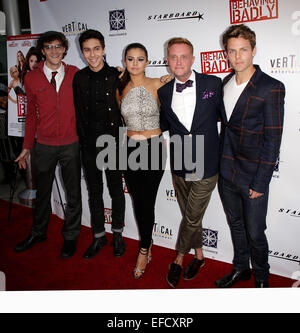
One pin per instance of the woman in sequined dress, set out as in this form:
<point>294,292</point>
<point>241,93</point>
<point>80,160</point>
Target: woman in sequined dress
<point>139,106</point>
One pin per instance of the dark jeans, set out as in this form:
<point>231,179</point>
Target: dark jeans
<point>247,221</point>
<point>45,160</point>
<point>94,180</point>
<point>143,186</point>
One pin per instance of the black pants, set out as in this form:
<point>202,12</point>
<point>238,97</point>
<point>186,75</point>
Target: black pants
<point>143,186</point>
<point>247,221</point>
<point>45,160</point>
<point>94,180</point>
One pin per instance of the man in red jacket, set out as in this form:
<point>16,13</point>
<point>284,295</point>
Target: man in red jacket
<point>50,133</point>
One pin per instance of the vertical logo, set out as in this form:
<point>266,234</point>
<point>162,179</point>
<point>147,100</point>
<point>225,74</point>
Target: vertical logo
<point>171,194</point>
<point>252,10</point>
<point>74,27</point>
<point>163,231</point>
<point>288,64</point>
<point>213,62</point>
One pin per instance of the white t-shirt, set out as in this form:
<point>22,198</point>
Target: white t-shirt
<point>232,92</point>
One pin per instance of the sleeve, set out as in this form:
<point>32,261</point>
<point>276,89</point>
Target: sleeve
<point>78,112</point>
<point>164,124</point>
<point>273,126</point>
<point>220,107</point>
<point>31,119</point>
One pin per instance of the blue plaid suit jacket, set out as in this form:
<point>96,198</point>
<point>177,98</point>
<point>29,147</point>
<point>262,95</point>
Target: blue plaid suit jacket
<point>251,137</point>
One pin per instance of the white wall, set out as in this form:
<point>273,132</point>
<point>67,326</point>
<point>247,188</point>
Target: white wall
<point>277,25</point>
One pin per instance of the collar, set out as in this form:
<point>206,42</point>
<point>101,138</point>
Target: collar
<point>191,77</point>
<point>253,79</point>
<point>48,71</point>
<point>102,71</point>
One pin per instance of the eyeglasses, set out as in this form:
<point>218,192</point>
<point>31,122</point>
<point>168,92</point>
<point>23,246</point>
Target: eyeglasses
<point>51,47</point>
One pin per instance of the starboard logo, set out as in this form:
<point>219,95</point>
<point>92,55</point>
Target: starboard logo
<point>213,62</point>
<point>117,22</point>
<point>158,63</point>
<point>289,211</point>
<point>163,231</point>
<point>289,64</point>
<point>189,15</point>
<point>285,256</point>
<point>75,27</point>
<point>252,10</point>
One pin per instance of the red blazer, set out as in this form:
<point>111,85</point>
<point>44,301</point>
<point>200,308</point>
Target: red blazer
<point>50,115</point>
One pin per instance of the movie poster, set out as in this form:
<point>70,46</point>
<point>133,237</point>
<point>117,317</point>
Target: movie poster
<point>21,58</point>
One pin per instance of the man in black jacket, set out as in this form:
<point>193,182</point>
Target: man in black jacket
<point>97,114</point>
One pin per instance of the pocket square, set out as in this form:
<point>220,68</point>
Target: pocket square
<point>207,94</point>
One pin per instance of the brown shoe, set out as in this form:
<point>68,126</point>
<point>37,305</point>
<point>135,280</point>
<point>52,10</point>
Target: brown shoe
<point>192,269</point>
<point>173,275</point>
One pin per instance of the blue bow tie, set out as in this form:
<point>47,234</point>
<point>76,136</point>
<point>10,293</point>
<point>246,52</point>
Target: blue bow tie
<point>182,86</point>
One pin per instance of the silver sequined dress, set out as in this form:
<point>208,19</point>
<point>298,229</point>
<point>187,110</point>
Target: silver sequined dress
<point>140,110</point>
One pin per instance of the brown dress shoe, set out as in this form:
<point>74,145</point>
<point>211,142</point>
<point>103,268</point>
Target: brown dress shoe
<point>192,269</point>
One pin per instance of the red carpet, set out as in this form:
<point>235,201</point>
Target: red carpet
<point>42,268</point>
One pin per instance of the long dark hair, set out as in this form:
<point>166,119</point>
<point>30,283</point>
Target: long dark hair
<point>126,76</point>
<point>31,51</point>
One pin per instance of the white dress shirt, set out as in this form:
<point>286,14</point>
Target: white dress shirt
<point>58,77</point>
<point>183,103</point>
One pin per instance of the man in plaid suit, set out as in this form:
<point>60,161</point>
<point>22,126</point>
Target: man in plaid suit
<point>254,104</point>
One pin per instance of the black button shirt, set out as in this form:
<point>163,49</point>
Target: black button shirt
<point>98,108</point>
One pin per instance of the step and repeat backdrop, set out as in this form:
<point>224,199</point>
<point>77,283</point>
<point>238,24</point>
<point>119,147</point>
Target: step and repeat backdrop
<point>153,23</point>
